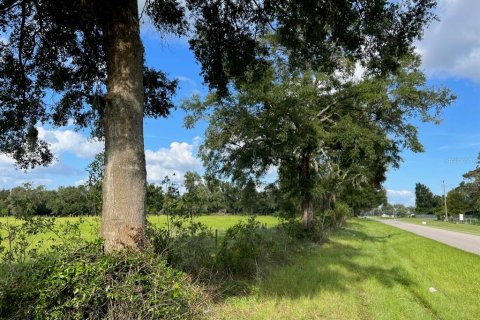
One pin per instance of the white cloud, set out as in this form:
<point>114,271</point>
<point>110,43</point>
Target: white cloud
<point>61,142</point>
<point>35,182</point>
<point>271,175</point>
<point>458,146</point>
<point>451,47</point>
<point>173,161</point>
<point>400,193</point>
<point>179,155</point>
<point>141,4</point>
<point>5,160</point>
<point>188,80</point>
<point>80,182</point>
<point>156,173</point>
<point>70,123</point>
<point>405,197</point>
<point>11,176</point>
<point>197,141</point>
<point>70,141</point>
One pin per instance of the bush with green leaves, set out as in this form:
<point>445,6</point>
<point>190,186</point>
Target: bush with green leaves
<point>323,221</point>
<point>186,244</point>
<point>249,245</point>
<point>74,279</point>
<point>88,284</point>
<point>19,242</point>
<point>296,230</point>
<point>337,216</point>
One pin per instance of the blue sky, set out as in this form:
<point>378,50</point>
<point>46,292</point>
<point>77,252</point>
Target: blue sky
<point>451,55</point>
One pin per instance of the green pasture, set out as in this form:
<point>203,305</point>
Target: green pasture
<point>90,226</point>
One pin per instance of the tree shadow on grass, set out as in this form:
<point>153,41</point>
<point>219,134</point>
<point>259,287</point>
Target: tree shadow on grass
<point>333,267</point>
<point>363,236</point>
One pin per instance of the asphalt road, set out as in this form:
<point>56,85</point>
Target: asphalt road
<point>462,241</point>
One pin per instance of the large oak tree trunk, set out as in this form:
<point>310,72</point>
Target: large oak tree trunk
<point>124,181</point>
<point>306,195</point>
<point>328,201</point>
<point>307,210</point>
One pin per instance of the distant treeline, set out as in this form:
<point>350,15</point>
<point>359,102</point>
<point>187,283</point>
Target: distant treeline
<point>197,195</point>
<point>463,199</point>
<point>27,200</point>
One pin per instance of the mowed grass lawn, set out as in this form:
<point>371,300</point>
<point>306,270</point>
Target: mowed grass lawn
<point>464,228</point>
<point>366,271</point>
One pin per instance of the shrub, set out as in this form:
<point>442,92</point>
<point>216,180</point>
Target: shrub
<point>248,245</point>
<point>74,279</point>
<point>88,284</point>
<point>336,217</point>
<point>187,245</point>
<point>295,230</point>
<point>322,222</point>
<point>440,214</point>
<point>16,246</point>
<point>240,248</point>
<point>292,228</point>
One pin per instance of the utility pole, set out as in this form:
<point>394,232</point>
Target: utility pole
<point>445,199</point>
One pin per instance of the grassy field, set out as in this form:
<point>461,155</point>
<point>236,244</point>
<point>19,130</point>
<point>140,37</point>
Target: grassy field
<point>91,225</point>
<point>465,228</point>
<point>219,222</point>
<point>366,271</point>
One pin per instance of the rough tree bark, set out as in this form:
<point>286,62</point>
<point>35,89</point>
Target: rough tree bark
<point>328,201</point>
<point>306,192</point>
<point>124,181</point>
<point>307,210</point>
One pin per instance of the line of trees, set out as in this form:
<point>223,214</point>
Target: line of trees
<point>27,200</point>
<point>197,195</point>
<point>463,199</point>
<point>202,196</point>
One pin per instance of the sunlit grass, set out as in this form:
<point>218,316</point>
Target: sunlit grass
<point>218,222</point>
<point>90,226</point>
<point>366,271</point>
